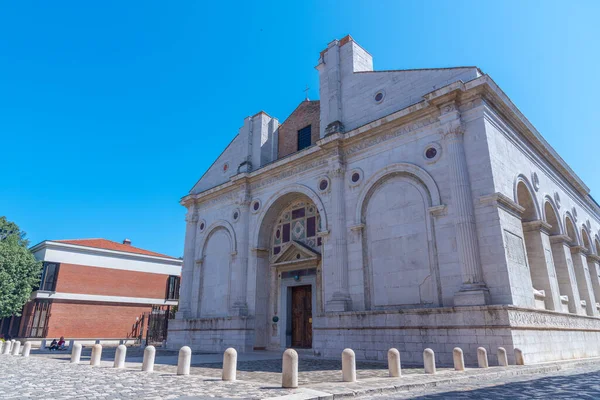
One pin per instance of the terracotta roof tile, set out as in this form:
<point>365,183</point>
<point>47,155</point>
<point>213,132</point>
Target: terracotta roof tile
<point>110,245</point>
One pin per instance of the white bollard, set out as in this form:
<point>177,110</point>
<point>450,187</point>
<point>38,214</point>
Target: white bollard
<point>120,356</point>
<point>149,355</point>
<point>429,361</point>
<point>519,357</point>
<point>96,355</point>
<point>394,363</point>
<point>6,349</point>
<point>229,365</point>
<point>184,361</point>
<point>76,353</point>
<point>289,369</point>
<point>502,358</point>
<point>1,347</point>
<point>16,348</point>
<point>459,359</point>
<point>348,365</point>
<point>26,349</point>
<point>482,359</point>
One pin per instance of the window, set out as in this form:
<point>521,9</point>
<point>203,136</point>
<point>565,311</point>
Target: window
<point>173,287</point>
<point>39,321</point>
<point>49,275</point>
<point>304,138</point>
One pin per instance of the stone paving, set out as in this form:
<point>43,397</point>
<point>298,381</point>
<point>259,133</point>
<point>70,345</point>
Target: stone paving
<point>580,383</point>
<point>51,376</point>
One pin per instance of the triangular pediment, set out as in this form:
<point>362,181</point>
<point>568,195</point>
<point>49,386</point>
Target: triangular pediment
<point>295,252</point>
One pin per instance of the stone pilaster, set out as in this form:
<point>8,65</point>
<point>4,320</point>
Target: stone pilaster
<point>541,264</point>
<point>338,261</point>
<point>567,283</point>
<point>584,281</point>
<point>593,262</point>
<point>473,290</point>
<point>240,276</point>
<point>187,272</point>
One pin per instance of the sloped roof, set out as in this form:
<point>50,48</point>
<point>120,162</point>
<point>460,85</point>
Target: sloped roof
<point>110,245</point>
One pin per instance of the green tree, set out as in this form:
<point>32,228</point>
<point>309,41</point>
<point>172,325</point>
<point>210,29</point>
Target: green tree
<point>19,270</point>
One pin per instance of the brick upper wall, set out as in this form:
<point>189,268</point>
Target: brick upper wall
<point>93,320</point>
<point>307,113</point>
<point>110,282</point>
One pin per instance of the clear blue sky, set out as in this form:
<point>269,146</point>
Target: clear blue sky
<point>110,111</point>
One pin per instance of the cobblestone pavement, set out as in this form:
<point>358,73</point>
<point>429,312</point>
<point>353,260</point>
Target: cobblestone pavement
<point>580,383</point>
<point>44,378</point>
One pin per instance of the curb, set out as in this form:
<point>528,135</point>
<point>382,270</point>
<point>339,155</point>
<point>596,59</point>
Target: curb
<point>322,391</point>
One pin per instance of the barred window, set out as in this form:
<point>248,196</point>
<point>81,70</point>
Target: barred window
<point>304,139</point>
<point>173,287</point>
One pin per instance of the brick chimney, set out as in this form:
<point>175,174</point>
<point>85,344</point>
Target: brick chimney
<point>127,242</point>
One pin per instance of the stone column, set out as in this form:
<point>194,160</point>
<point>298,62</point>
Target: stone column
<point>593,262</point>
<point>187,272</point>
<point>567,284</point>
<point>337,261</point>
<point>240,276</point>
<point>541,264</point>
<point>584,282</point>
<point>473,290</point>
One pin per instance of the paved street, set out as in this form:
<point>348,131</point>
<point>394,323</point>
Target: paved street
<point>581,383</point>
<point>51,376</point>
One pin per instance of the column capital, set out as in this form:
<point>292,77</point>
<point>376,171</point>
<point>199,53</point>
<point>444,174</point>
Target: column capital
<point>593,258</point>
<point>538,225</point>
<point>579,250</point>
<point>564,239</point>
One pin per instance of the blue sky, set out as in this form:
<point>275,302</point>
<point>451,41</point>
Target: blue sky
<point>110,111</point>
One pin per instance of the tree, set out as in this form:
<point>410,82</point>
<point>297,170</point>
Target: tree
<point>19,270</point>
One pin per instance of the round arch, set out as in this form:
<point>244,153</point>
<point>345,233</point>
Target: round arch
<point>586,238</point>
<point>522,179</point>
<point>285,195</point>
<point>220,224</point>
<point>549,202</point>
<point>399,168</point>
<point>571,228</point>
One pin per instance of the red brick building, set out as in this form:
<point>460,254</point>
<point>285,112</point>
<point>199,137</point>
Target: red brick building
<point>96,288</point>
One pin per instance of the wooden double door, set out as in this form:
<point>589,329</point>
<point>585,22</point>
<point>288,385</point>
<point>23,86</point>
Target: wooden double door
<point>302,316</point>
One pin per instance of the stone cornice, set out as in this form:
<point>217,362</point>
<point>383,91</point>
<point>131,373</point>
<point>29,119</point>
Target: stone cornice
<point>502,201</point>
<point>578,250</point>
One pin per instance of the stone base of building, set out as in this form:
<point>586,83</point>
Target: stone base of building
<point>212,335</point>
<point>541,335</point>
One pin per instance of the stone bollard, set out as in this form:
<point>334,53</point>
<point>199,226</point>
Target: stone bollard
<point>289,369</point>
<point>26,349</point>
<point>184,361</point>
<point>148,363</point>
<point>120,356</point>
<point>429,361</point>
<point>482,359</point>
<point>96,355</point>
<point>519,358</point>
<point>1,347</point>
<point>348,365</point>
<point>229,365</point>
<point>6,349</point>
<point>459,359</point>
<point>76,353</point>
<point>16,348</point>
<point>502,358</point>
<point>394,363</point>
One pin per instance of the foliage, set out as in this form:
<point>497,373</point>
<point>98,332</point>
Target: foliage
<point>19,270</point>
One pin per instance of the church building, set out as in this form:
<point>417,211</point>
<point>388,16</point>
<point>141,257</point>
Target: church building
<point>408,209</point>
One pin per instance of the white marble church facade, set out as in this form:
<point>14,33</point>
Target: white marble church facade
<point>425,211</point>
